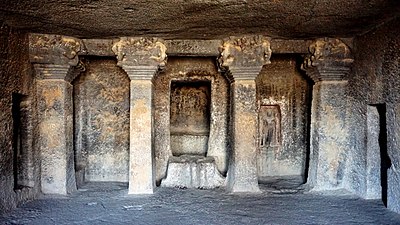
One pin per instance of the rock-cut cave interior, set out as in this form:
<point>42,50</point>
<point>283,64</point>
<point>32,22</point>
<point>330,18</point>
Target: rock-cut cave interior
<point>196,112</point>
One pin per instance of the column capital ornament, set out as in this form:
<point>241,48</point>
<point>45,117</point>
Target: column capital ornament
<point>245,51</point>
<point>133,51</point>
<point>328,59</point>
<point>54,49</point>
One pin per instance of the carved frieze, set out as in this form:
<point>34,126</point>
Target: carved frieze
<point>132,51</point>
<point>53,49</point>
<point>329,59</point>
<point>246,51</point>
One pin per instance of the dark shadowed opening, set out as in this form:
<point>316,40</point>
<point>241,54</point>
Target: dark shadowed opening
<point>385,159</point>
<point>17,144</point>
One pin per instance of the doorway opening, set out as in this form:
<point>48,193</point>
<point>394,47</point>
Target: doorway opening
<point>378,160</point>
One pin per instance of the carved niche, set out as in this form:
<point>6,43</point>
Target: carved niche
<point>190,108</point>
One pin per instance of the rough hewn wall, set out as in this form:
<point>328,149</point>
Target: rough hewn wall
<point>101,99</point>
<point>16,78</point>
<point>375,80</point>
<point>283,95</point>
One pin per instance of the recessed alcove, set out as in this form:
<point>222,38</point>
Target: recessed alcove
<point>190,117</point>
<point>191,110</point>
<point>284,102</point>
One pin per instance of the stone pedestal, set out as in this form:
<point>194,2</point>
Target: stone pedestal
<point>55,129</point>
<point>328,65</point>
<point>188,171</point>
<point>244,58</point>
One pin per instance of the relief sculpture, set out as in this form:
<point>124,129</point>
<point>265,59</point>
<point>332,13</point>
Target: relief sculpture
<point>270,129</point>
<point>190,108</point>
<point>269,121</point>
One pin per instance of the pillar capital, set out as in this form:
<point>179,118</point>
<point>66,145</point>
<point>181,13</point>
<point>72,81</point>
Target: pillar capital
<point>54,49</point>
<point>329,59</point>
<point>133,51</point>
<point>140,72</point>
<point>245,56</point>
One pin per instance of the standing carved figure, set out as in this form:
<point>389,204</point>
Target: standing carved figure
<point>269,127</point>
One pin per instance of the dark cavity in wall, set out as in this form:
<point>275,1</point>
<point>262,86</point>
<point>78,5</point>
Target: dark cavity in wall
<point>19,151</point>
<point>385,159</point>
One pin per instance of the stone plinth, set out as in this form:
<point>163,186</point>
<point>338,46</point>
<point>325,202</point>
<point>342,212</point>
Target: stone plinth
<point>189,171</point>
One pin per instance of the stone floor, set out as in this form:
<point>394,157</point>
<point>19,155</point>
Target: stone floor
<point>108,203</point>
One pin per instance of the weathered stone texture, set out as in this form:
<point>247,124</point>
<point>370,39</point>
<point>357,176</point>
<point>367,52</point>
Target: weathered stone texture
<point>375,80</point>
<point>191,70</point>
<point>281,85</point>
<point>56,136</point>
<point>16,77</point>
<point>101,98</point>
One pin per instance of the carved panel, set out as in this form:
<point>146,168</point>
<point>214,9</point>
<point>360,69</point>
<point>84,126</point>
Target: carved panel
<point>190,111</point>
<point>269,126</point>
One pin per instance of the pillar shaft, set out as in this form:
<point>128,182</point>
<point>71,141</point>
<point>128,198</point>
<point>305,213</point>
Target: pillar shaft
<point>242,176</point>
<point>55,129</point>
<point>328,134</point>
<point>141,165</point>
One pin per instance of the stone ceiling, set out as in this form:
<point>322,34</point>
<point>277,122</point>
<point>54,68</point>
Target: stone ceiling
<point>198,19</point>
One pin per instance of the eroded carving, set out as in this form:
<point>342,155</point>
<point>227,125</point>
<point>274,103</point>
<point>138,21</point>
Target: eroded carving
<point>269,126</point>
<point>190,108</point>
<point>246,51</point>
<point>329,59</point>
<point>140,51</point>
<point>53,49</point>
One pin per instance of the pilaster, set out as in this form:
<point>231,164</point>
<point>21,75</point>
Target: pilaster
<point>327,65</point>
<point>53,57</point>
<point>243,58</point>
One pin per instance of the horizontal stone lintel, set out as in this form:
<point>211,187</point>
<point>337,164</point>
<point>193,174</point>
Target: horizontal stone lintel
<point>210,48</point>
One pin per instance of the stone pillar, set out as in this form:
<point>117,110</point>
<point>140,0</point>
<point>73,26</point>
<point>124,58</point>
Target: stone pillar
<point>327,65</point>
<point>141,59</point>
<point>243,58</point>
<point>53,57</point>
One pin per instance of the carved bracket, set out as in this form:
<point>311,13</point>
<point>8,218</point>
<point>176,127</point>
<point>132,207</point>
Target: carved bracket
<point>54,49</point>
<point>329,59</point>
<point>246,51</point>
<point>140,52</point>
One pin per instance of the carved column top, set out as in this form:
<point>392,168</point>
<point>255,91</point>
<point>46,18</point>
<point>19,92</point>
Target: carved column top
<point>140,51</point>
<point>54,49</point>
<point>329,59</point>
<point>245,55</point>
<point>141,58</point>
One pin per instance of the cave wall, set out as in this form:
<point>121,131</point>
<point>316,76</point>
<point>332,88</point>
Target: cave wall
<point>284,93</point>
<point>101,105</point>
<point>374,81</point>
<point>16,81</point>
<point>191,69</point>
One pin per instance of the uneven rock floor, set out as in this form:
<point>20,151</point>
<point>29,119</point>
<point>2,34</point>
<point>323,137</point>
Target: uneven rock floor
<point>108,203</point>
